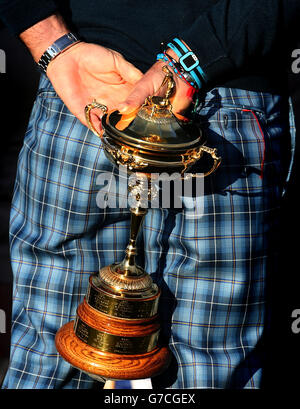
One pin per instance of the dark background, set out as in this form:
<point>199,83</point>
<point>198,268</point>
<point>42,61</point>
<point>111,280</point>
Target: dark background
<point>18,86</point>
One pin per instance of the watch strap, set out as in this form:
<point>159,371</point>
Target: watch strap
<point>189,61</point>
<point>60,45</point>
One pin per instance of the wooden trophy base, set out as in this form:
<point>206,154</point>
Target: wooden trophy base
<point>107,365</point>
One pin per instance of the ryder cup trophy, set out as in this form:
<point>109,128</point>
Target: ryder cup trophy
<point>116,332</point>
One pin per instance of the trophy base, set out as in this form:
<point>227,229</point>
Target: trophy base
<point>105,365</point>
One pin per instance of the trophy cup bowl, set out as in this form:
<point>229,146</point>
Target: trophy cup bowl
<point>116,331</point>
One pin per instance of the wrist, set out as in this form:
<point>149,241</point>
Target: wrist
<point>60,46</point>
<point>41,35</point>
<point>184,62</point>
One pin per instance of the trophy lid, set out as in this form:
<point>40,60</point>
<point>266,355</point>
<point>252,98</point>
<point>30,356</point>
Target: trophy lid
<point>153,139</point>
<point>153,127</point>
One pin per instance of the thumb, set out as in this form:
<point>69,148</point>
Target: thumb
<point>134,100</point>
<point>145,87</point>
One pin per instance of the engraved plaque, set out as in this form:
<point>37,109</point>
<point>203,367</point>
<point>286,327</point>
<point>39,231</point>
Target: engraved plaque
<point>121,307</point>
<point>114,343</point>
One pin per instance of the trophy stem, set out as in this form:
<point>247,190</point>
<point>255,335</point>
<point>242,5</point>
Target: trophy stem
<point>137,218</point>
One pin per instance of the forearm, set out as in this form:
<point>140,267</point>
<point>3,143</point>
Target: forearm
<point>42,34</point>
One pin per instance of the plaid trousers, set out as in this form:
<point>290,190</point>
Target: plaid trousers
<point>212,267</point>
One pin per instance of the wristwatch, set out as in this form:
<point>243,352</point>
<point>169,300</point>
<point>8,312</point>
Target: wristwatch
<point>60,45</point>
<point>189,61</point>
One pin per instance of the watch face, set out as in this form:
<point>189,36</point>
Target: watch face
<point>189,61</point>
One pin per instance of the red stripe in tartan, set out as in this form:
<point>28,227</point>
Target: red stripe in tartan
<point>263,136</point>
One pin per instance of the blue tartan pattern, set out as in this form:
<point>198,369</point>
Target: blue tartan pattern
<point>212,267</point>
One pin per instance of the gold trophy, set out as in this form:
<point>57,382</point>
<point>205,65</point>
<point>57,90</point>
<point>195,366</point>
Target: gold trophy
<point>116,332</point>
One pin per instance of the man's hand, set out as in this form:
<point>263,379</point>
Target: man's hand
<point>150,84</point>
<point>83,72</point>
<point>86,72</point>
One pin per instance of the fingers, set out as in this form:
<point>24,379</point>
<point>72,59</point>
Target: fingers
<point>182,99</point>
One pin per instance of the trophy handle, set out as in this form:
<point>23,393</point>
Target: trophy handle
<point>217,159</point>
<point>87,111</point>
<point>193,155</point>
